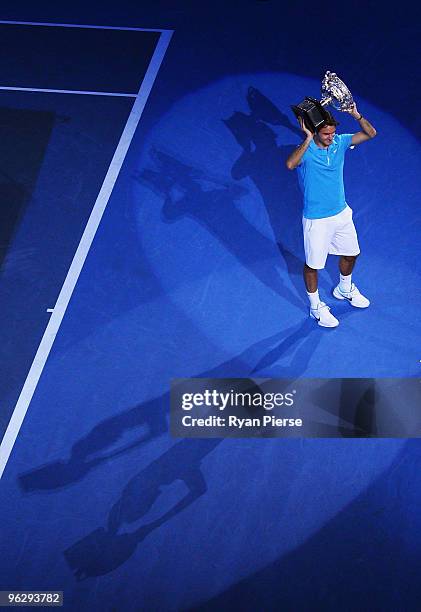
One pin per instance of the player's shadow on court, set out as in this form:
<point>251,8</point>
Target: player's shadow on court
<point>149,419</point>
<point>299,352</point>
<point>148,494</point>
<point>105,549</point>
<point>154,495</point>
<point>299,345</point>
<point>211,201</point>
<point>263,161</point>
<point>152,490</point>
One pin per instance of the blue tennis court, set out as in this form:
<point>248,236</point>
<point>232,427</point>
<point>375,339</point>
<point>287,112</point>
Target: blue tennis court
<point>151,231</point>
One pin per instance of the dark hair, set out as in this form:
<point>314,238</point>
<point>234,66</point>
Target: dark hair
<point>329,120</point>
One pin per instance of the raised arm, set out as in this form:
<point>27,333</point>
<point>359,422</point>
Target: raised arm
<point>294,159</point>
<point>367,130</point>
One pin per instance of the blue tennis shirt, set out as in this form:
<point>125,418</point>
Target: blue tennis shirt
<point>321,178</point>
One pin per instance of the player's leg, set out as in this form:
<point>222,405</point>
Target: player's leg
<point>346,266</point>
<point>345,244</point>
<point>316,246</point>
<point>310,279</point>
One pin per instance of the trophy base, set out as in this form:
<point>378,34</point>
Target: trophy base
<point>312,113</point>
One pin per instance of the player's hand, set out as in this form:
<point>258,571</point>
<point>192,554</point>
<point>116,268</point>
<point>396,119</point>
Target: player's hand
<point>353,111</point>
<point>305,129</point>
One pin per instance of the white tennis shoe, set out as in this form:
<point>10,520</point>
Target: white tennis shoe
<point>354,297</point>
<point>323,315</point>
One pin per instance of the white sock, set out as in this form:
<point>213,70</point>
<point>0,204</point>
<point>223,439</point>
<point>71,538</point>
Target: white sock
<point>314,298</point>
<point>345,282</point>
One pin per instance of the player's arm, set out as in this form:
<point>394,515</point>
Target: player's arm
<point>294,159</point>
<point>367,130</point>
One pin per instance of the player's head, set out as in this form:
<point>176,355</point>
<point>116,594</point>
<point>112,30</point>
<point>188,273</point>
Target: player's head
<point>329,119</point>
<point>327,130</point>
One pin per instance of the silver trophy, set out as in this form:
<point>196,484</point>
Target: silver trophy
<point>334,92</point>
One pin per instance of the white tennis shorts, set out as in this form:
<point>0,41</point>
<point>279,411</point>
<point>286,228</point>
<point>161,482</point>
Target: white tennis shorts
<point>329,236</point>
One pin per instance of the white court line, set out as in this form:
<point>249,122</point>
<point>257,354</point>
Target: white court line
<point>74,25</point>
<point>69,91</point>
<point>79,258</point>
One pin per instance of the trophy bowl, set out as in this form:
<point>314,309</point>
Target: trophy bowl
<point>336,93</point>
